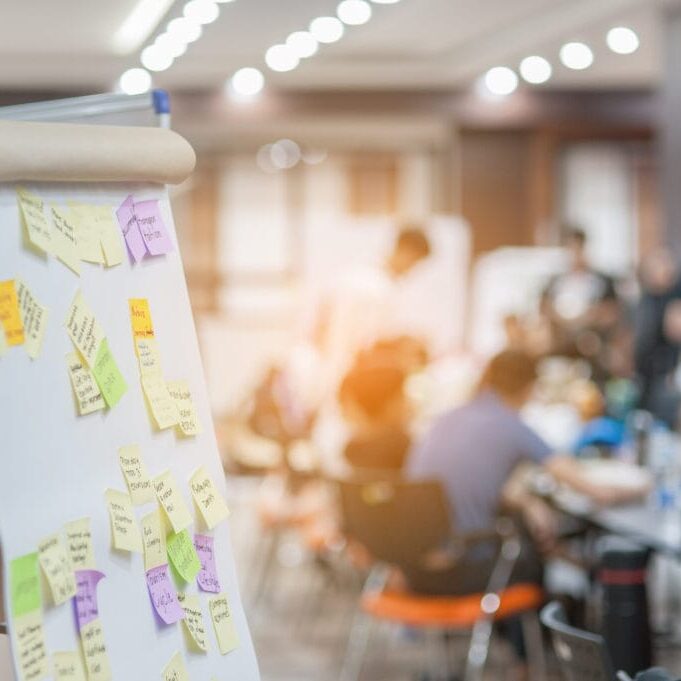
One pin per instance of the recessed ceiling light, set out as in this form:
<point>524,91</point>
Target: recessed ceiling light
<point>354,12</point>
<point>247,82</point>
<point>622,40</point>
<point>577,56</point>
<point>185,29</point>
<point>154,59</point>
<point>135,81</point>
<point>281,58</point>
<point>139,24</point>
<point>303,43</point>
<point>327,29</point>
<point>284,154</point>
<point>201,11</point>
<point>535,69</point>
<point>170,44</point>
<point>501,80</point>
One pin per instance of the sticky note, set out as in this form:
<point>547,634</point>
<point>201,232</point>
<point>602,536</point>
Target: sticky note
<point>109,236</point>
<point>24,585</point>
<point>148,357</point>
<point>79,544</point>
<point>111,383</point>
<point>154,540</point>
<point>183,556</point>
<point>225,631</point>
<point>175,670</point>
<point>31,651</point>
<point>140,318</point>
<point>163,595</point>
<point>64,243</point>
<point>83,329</point>
<point>170,497</point>
<point>85,388</point>
<point>85,603</point>
<point>193,620</point>
<point>57,568</point>
<point>152,227</point>
<point>160,402</point>
<point>95,653</point>
<point>131,231</point>
<point>38,228</point>
<point>87,234</point>
<point>125,532</point>
<point>188,421</point>
<point>33,317</point>
<point>136,476</point>
<point>212,506</point>
<point>67,666</point>
<point>208,574</point>
<point>10,314</point>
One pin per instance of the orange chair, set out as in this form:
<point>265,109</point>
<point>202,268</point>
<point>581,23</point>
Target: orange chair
<point>399,523</point>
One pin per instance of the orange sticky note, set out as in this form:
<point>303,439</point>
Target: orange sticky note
<point>140,317</point>
<point>10,314</point>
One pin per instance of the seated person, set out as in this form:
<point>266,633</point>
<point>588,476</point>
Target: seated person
<point>373,403</point>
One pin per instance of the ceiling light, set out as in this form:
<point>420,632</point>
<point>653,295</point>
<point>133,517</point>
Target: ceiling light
<point>284,154</point>
<point>139,24</point>
<point>622,40</point>
<point>281,58</point>
<point>154,59</point>
<point>577,56</point>
<point>535,69</point>
<point>501,80</point>
<point>327,29</point>
<point>354,12</point>
<point>170,44</point>
<point>135,81</point>
<point>247,82</point>
<point>303,43</point>
<point>184,29</point>
<point>201,11</point>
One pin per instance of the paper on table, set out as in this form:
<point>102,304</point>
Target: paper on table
<point>154,538</point>
<point>31,651</point>
<point>33,317</point>
<point>24,584</point>
<point>10,314</point>
<point>87,236</point>
<point>152,227</point>
<point>108,235</point>
<point>125,532</point>
<point>208,575</point>
<point>131,231</point>
<point>85,388</point>
<point>64,243</point>
<point>160,402</point>
<point>193,620</point>
<point>38,228</point>
<point>212,506</point>
<point>148,356</point>
<point>57,568</point>
<point>140,318</point>
<point>175,670</point>
<point>83,329</point>
<point>108,376</point>
<point>188,420</point>
<point>68,667</point>
<point>136,475</point>
<point>163,595</point>
<point>85,603</point>
<point>225,631</point>
<point>94,651</point>
<point>79,544</point>
<point>183,556</point>
<point>170,497</point>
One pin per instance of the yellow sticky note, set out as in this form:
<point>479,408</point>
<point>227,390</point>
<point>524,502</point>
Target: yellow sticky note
<point>193,620</point>
<point>175,670</point>
<point>85,388</point>
<point>68,666</point>
<point>79,544</point>
<point>109,235</point>
<point>172,501</point>
<point>154,539</point>
<point>64,244</point>
<point>56,564</point>
<point>140,318</point>
<point>223,622</point>
<point>94,651</point>
<point>160,402</point>
<point>111,383</point>
<point>34,319</point>
<point>87,234</point>
<point>84,330</point>
<point>10,314</point>
<point>188,419</point>
<point>38,228</point>
<point>31,651</point>
<point>136,475</point>
<point>125,534</point>
<point>148,356</point>
<point>206,496</point>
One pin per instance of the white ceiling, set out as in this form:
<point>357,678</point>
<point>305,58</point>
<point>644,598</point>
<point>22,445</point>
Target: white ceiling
<point>68,44</point>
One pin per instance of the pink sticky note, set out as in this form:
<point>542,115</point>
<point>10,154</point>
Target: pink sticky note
<point>163,595</point>
<point>130,228</point>
<point>208,575</point>
<point>85,601</point>
<point>152,227</point>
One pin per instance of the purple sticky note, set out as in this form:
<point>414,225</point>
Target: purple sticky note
<point>131,231</point>
<point>208,575</point>
<point>152,227</point>
<point>85,601</point>
<point>163,595</point>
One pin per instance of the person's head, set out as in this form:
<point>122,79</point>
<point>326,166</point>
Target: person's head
<point>411,246</point>
<point>659,271</point>
<point>511,376</point>
<point>576,243</point>
<point>406,352</point>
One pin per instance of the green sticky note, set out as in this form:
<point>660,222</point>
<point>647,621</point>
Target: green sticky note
<point>24,584</point>
<point>109,379</point>
<point>183,555</point>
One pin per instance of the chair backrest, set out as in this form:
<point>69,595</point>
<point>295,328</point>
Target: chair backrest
<point>582,656</point>
<point>396,521</point>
